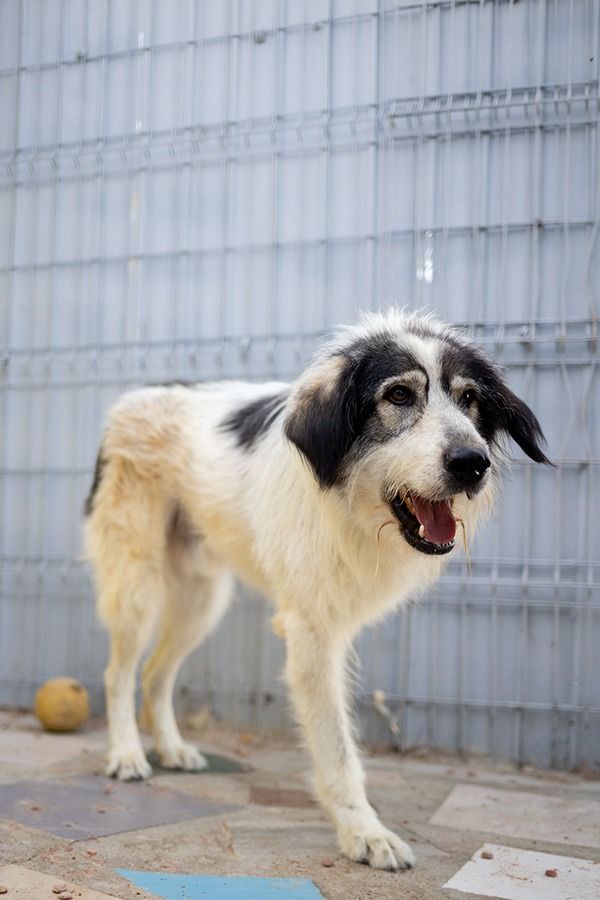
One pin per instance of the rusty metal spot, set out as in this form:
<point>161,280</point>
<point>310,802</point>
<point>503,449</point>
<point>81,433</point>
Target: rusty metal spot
<point>266,796</point>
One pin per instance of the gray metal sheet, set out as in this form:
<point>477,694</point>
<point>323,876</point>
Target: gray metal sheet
<point>90,806</point>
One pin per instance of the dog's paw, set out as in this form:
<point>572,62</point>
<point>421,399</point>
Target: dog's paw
<point>128,765</point>
<point>376,846</point>
<point>183,756</point>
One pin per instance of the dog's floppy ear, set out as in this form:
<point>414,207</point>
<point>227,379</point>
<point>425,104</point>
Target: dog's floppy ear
<point>323,420</point>
<point>505,412</point>
<point>517,420</point>
<point>501,409</point>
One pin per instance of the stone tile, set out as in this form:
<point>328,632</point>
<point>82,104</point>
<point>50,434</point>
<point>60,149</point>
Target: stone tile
<point>513,874</point>
<point>565,819</point>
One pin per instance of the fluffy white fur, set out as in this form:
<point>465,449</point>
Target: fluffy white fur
<point>330,559</point>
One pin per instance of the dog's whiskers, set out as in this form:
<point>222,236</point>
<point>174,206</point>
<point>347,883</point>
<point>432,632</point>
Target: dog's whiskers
<point>379,530</point>
<point>465,542</point>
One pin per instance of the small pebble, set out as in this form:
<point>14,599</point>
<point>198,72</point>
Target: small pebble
<point>551,873</point>
<point>91,852</point>
<point>487,855</point>
<point>59,888</point>
<point>327,862</point>
<point>3,889</point>
<point>65,896</point>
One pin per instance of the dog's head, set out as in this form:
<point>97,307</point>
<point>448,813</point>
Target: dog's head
<point>405,414</point>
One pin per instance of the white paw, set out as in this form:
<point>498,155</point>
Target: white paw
<point>376,846</point>
<point>183,756</point>
<point>128,765</point>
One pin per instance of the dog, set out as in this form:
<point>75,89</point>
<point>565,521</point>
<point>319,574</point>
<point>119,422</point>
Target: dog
<point>338,496</point>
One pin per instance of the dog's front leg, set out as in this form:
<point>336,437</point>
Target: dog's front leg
<point>316,672</point>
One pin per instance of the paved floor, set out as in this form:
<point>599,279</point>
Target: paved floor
<point>64,825</point>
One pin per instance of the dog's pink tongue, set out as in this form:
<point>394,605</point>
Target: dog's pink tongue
<point>436,518</point>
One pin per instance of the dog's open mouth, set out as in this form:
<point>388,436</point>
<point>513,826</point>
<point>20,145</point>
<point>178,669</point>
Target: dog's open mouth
<point>427,525</point>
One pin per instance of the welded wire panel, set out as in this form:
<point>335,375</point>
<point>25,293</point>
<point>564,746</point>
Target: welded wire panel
<point>194,190</point>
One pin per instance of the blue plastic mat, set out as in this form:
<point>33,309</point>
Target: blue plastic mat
<point>222,887</point>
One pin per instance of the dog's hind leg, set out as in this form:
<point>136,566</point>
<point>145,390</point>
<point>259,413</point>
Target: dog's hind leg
<point>194,607</point>
<point>125,541</point>
<point>140,595</point>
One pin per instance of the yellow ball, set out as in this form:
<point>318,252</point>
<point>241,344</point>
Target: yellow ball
<point>62,704</point>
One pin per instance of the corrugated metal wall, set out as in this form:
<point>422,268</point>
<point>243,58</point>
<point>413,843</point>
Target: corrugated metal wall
<point>198,190</point>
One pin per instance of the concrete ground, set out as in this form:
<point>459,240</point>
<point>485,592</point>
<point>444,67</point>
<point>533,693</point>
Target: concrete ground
<point>262,820</point>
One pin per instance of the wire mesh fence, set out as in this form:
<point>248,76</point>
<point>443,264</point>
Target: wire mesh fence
<point>194,190</point>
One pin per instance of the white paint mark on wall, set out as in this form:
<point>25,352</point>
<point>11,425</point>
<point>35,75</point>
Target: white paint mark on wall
<point>566,819</point>
<point>521,875</point>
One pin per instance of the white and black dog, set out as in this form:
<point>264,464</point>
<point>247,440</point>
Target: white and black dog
<point>397,422</point>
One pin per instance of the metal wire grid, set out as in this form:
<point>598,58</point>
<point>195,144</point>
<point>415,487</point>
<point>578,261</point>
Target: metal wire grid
<point>194,190</point>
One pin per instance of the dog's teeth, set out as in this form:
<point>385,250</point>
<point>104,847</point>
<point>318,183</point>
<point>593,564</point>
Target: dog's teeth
<point>421,531</point>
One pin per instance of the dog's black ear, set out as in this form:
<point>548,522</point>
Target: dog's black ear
<point>516,419</point>
<point>501,410</point>
<point>324,422</point>
<point>521,424</point>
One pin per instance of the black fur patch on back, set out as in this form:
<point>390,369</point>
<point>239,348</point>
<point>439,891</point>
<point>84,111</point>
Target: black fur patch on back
<point>499,408</point>
<point>252,420</point>
<point>98,472</point>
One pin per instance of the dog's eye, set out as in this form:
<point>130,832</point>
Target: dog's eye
<point>400,395</point>
<point>467,398</point>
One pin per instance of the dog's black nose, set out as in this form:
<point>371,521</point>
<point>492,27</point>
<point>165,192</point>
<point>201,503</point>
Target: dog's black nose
<point>467,465</point>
